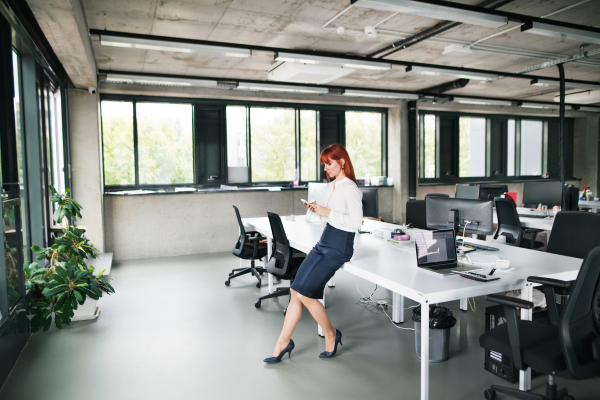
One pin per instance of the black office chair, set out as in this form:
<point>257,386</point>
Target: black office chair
<point>574,233</point>
<point>570,200</point>
<point>416,213</point>
<point>436,195</point>
<point>570,350</point>
<point>248,247</point>
<point>370,203</point>
<point>285,260</point>
<point>510,226</point>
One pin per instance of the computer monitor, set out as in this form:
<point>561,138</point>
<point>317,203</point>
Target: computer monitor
<point>444,213</point>
<point>488,192</point>
<point>467,192</point>
<point>546,193</point>
<point>370,202</point>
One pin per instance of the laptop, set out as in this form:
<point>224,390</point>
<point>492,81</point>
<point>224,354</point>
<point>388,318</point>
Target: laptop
<point>436,252</point>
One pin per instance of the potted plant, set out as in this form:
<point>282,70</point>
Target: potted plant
<point>64,280</point>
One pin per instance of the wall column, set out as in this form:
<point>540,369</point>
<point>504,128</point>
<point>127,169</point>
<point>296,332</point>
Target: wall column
<point>398,158</point>
<point>86,164</point>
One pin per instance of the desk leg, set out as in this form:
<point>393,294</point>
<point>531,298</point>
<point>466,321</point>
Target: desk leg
<point>397,308</point>
<point>526,315</point>
<point>331,282</point>
<point>424,351</point>
<point>269,276</point>
<point>463,305</point>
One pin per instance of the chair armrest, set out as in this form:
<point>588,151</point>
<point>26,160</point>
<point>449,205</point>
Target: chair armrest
<point>256,238</point>
<point>550,282</point>
<point>509,301</point>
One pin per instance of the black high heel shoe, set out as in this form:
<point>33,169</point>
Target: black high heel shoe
<point>288,349</point>
<point>329,354</point>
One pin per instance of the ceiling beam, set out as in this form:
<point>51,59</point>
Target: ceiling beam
<point>424,94</point>
<point>328,54</point>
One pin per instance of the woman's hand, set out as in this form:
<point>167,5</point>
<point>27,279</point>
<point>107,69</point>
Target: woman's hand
<point>319,210</point>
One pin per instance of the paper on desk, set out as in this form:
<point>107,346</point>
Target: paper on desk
<point>481,260</point>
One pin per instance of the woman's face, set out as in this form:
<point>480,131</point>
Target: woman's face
<point>333,168</point>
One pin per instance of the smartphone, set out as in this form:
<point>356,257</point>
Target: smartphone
<point>304,201</point>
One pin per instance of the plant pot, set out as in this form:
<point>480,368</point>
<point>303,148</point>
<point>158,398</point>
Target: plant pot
<point>88,310</point>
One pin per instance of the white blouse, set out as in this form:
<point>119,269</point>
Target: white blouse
<point>344,199</point>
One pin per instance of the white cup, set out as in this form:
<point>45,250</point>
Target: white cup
<point>502,264</point>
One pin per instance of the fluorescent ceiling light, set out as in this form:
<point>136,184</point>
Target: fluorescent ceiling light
<point>156,80</point>
<point>434,11</point>
<point>281,88</point>
<point>448,72</point>
<point>387,95</point>
<point>164,45</point>
<point>543,106</point>
<point>568,85</point>
<point>578,35</point>
<point>464,100</point>
<point>308,59</point>
<point>588,97</point>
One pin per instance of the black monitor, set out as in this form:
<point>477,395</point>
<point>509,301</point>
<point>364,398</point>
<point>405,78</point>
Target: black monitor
<point>488,192</point>
<point>370,202</point>
<point>444,213</point>
<point>467,192</point>
<point>546,193</point>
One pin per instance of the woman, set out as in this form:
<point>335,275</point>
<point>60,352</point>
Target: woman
<point>342,210</point>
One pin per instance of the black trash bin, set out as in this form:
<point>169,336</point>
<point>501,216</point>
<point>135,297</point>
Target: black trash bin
<point>440,322</point>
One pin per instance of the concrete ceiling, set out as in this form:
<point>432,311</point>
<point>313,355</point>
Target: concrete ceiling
<point>298,24</point>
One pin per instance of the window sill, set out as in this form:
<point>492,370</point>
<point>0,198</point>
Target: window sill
<point>487,181</point>
<point>212,190</point>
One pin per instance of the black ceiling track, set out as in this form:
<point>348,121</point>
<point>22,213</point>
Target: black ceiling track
<point>431,32</point>
<point>329,54</point>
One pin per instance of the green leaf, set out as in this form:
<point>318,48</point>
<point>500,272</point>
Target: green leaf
<point>47,324</point>
<point>79,296</point>
<point>45,314</point>
<point>61,300</point>
<point>67,191</point>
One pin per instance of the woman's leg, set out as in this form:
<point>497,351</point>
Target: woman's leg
<point>292,316</point>
<point>317,310</point>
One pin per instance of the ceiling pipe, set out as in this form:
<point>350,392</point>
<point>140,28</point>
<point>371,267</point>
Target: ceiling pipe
<point>444,87</point>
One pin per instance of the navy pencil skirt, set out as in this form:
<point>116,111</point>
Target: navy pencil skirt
<point>331,252</point>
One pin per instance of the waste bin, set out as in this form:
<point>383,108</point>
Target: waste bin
<point>440,322</point>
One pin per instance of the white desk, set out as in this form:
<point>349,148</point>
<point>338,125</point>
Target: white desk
<point>594,205</point>
<point>394,267</point>
<point>535,223</point>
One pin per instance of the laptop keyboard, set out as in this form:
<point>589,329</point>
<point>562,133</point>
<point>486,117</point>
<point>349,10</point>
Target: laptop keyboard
<point>532,216</point>
<point>446,266</point>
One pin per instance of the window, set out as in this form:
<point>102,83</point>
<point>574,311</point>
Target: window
<point>363,142</point>
<point>510,145</point>
<point>308,145</point>
<point>165,143</point>
<point>532,134</point>
<point>117,143</point>
<point>273,144</point>
<point>472,145</point>
<point>429,129</point>
<point>494,148</point>
<point>236,136</point>
<point>156,142</point>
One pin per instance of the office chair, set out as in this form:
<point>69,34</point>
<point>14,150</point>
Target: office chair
<point>437,195</point>
<point>489,192</point>
<point>574,233</point>
<point>570,350</point>
<point>416,213</point>
<point>248,247</point>
<point>570,200</point>
<point>370,203</point>
<point>285,260</point>
<point>510,227</point>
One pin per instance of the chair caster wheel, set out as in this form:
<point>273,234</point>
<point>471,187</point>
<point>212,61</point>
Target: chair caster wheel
<point>227,282</point>
<point>257,304</point>
<point>490,394</point>
<point>258,285</point>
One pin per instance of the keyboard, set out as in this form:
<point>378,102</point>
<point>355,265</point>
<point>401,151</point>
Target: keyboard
<point>448,265</point>
<point>476,277</point>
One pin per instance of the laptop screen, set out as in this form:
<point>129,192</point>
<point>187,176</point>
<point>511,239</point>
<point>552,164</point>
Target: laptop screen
<point>435,247</point>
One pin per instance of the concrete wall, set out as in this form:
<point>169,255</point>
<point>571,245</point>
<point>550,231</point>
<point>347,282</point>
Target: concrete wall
<point>86,166</point>
<point>148,226</point>
<point>586,152</point>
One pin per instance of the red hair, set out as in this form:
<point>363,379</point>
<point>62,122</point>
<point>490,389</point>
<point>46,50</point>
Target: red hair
<point>337,152</point>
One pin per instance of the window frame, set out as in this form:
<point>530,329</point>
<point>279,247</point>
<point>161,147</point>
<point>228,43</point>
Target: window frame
<point>500,178</point>
<point>297,107</point>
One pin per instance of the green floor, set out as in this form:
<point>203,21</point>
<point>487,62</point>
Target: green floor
<point>173,330</point>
